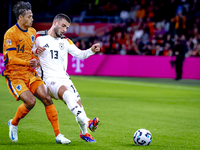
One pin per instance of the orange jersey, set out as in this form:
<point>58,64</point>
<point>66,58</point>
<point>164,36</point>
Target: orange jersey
<point>17,51</point>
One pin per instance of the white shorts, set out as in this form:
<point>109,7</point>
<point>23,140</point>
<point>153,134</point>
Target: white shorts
<point>53,84</point>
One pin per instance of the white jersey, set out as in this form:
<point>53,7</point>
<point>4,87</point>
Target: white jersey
<point>55,58</point>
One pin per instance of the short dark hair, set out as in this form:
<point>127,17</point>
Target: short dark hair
<point>20,8</point>
<point>62,16</point>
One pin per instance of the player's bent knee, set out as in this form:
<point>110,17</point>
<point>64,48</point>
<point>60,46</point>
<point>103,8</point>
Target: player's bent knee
<point>47,100</point>
<point>28,99</point>
<point>30,103</point>
<point>68,96</point>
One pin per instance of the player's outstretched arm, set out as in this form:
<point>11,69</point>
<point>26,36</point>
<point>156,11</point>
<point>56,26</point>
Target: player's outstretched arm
<point>96,47</point>
<point>82,54</point>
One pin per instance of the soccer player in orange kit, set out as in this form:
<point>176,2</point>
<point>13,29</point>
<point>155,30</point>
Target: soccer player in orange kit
<point>21,77</point>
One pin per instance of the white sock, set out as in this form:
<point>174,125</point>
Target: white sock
<point>80,125</point>
<point>83,111</point>
<point>83,125</point>
<point>79,112</point>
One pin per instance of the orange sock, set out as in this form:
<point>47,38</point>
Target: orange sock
<point>22,111</point>
<point>53,118</point>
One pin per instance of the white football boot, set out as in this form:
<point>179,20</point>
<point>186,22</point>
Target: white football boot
<point>12,131</point>
<point>60,139</point>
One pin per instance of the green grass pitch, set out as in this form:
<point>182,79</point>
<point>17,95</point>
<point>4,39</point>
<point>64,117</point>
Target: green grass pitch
<point>169,109</point>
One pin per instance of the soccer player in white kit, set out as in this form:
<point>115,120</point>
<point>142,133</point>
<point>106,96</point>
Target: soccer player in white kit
<point>52,48</point>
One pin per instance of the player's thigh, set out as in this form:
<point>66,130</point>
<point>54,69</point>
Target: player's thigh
<point>35,84</point>
<point>42,95</point>
<point>16,87</point>
<point>28,98</point>
<point>69,84</point>
<point>54,84</point>
<point>71,87</point>
<point>61,91</point>
<point>37,87</point>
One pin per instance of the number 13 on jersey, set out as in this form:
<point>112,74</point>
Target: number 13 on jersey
<point>54,54</point>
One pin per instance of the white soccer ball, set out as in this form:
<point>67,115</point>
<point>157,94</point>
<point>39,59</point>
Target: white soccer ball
<point>142,137</point>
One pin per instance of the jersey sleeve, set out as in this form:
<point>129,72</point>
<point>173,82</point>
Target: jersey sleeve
<point>35,45</point>
<point>15,60</point>
<point>9,42</point>
<point>75,51</point>
<point>10,48</point>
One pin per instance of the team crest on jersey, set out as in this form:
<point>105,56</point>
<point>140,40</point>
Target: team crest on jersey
<point>61,46</point>
<point>18,87</point>
<point>32,38</point>
<point>8,42</point>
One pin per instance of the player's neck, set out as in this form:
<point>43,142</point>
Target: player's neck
<point>22,26</point>
<point>51,33</point>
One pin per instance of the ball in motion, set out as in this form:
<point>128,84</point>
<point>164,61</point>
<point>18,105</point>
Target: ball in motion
<point>142,137</point>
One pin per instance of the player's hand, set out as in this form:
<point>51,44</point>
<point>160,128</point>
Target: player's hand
<point>96,47</point>
<point>34,63</point>
<point>40,50</point>
<point>37,64</point>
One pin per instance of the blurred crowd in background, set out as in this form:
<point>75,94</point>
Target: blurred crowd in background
<point>152,27</point>
<point>143,27</point>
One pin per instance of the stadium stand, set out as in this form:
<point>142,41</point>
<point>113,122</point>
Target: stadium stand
<point>147,27</point>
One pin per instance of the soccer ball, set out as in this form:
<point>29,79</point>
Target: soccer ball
<point>142,137</point>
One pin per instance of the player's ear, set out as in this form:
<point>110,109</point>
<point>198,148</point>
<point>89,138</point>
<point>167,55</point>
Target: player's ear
<point>21,17</point>
<point>55,22</point>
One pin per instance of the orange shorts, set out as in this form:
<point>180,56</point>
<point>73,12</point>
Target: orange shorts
<point>17,86</point>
